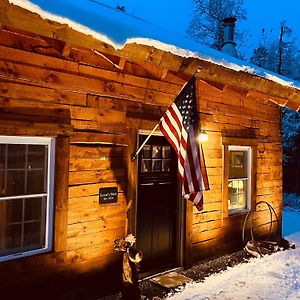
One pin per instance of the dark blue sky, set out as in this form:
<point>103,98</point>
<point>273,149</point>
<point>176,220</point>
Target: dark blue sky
<point>176,14</point>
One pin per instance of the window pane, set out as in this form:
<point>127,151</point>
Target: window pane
<point>237,164</point>
<point>146,153</point>
<point>2,183</point>
<point>32,235</point>
<point>237,194</point>
<point>166,151</point>
<point>36,156</point>
<point>10,238</point>
<point>16,156</point>
<point>33,209</point>
<point>242,201</point>
<point>156,165</point>
<point>11,211</point>
<point>156,151</point>
<point>2,156</point>
<point>15,183</point>
<point>232,192</point>
<point>35,182</point>
<point>2,169</point>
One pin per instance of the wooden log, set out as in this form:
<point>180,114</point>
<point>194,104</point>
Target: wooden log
<point>97,226</point>
<point>83,84</point>
<point>91,203</point>
<point>63,65</point>
<point>93,189</point>
<point>41,115</point>
<point>34,128</point>
<point>40,94</point>
<point>99,163</point>
<point>206,216</point>
<point>95,151</point>
<point>210,248</point>
<point>114,125</point>
<point>88,209</point>
<point>210,225</point>
<point>208,235</point>
<point>105,238</point>
<point>61,192</point>
<point>90,253</point>
<point>99,138</point>
<point>216,206</point>
<point>97,176</point>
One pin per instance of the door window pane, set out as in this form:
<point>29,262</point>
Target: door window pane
<point>156,151</point>
<point>146,152</point>
<point>146,165</point>
<point>156,158</point>
<point>166,151</point>
<point>156,165</point>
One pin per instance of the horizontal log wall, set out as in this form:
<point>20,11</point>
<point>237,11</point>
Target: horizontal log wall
<point>92,104</point>
<point>41,95</point>
<point>229,113</point>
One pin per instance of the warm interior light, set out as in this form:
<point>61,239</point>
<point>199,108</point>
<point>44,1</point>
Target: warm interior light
<point>203,137</point>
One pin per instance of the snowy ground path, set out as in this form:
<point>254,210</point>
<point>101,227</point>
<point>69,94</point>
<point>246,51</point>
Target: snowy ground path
<point>274,277</point>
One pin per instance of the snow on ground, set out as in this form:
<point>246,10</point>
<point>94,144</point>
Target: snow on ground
<point>273,277</point>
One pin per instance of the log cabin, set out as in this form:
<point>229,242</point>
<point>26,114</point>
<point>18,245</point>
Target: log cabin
<point>74,107</point>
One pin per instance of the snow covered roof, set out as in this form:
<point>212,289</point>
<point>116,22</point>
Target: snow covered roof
<point>118,29</point>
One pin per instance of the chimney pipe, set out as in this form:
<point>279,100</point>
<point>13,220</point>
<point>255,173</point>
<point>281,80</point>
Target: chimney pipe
<point>229,46</point>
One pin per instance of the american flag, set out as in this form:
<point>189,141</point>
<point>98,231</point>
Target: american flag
<point>179,125</point>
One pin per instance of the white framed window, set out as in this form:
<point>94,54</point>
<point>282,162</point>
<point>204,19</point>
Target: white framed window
<point>26,195</point>
<point>239,178</point>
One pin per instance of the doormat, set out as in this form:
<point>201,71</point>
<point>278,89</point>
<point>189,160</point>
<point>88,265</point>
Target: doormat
<point>170,280</point>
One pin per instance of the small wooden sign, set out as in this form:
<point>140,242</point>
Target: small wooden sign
<point>108,195</point>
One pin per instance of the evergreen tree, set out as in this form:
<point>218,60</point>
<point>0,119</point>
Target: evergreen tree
<point>260,56</point>
<point>207,26</point>
<point>279,56</point>
<point>290,132</point>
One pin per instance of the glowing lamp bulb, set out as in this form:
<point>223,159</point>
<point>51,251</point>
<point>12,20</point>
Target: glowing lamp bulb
<point>203,137</point>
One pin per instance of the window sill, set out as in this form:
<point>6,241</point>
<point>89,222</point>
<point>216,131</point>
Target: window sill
<point>24,254</point>
<point>238,212</point>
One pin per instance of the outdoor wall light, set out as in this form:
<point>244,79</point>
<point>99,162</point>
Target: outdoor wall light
<point>203,137</point>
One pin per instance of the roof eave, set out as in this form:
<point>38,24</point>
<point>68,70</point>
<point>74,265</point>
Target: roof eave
<point>20,18</point>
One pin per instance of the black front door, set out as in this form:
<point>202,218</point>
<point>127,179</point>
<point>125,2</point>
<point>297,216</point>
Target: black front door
<point>157,204</point>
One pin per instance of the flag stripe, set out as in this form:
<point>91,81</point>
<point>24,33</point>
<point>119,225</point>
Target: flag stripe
<point>180,126</point>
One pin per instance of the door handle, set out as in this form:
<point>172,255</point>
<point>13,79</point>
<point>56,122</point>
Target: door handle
<point>151,183</point>
<point>163,183</point>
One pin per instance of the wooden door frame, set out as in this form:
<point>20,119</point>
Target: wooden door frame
<point>184,233</point>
